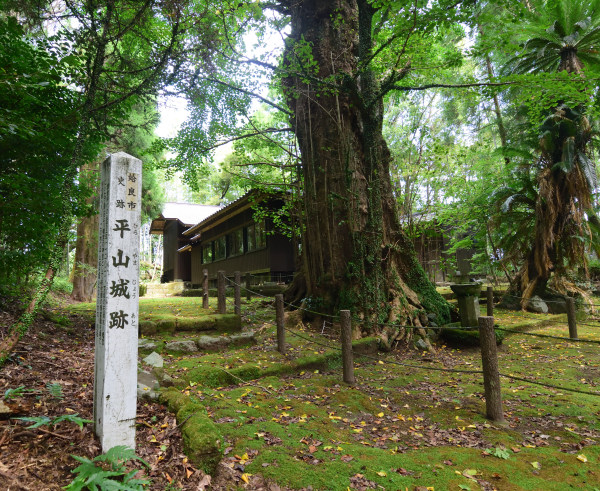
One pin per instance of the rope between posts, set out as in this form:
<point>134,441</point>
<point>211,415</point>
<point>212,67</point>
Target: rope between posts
<point>466,328</point>
<point>549,321</point>
<point>285,303</point>
<point>523,298</point>
<point>455,370</point>
<point>549,386</point>
<point>450,370</point>
<point>537,335</point>
<point>403,326</point>
<point>356,319</point>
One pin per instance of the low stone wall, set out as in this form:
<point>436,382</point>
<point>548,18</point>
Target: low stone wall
<point>211,322</point>
<point>157,290</point>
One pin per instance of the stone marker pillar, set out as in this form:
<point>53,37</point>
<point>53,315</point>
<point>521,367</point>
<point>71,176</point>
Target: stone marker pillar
<point>115,372</point>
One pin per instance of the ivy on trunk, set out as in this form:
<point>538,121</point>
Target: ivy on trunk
<point>355,254</point>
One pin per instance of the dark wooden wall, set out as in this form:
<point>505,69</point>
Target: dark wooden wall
<point>275,261</point>
<point>170,242</point>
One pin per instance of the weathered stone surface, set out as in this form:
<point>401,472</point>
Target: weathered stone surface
<point>216,343</point>
<point>166,326</point>
<point>556,304</point>
<point>211,343</point>
<point>185,346</point>
<point>117,306</point>
<point>536,304</point>
<point>154,360</point>
<point>147,386</point>
<point>201,437</point>
<point>242,338</point>
<point>164,379</point>
<point>421,344</point>
<point>146,345</point>
<point>433,334</point>
<point>148,379</point>
<point>147,328</point>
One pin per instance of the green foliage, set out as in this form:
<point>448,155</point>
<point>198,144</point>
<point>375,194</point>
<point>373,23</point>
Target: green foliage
<point>55,390</point>
<point>62,284</point>
<point>47,421</point>
<point>14,393</point>
<point>38,132</point>
<point>499,452</point>
<point>594,269</point>
<point>108,471</point>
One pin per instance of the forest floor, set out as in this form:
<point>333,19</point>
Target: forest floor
<point>410,422</point>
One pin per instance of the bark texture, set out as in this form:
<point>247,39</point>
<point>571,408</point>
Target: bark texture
<point>355,253</point>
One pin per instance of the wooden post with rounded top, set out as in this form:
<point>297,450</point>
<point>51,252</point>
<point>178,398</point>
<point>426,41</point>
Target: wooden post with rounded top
<point>280,323</point>
<point>571,318</point>
<point>205,289</point>
<point>491,374</point>
<point>490,301</point>
<point>237,279</point>
<point>347,355</point>
<point>248,285</point>
<point>221,306</point>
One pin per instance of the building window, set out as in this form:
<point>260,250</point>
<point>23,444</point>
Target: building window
<point>207,253</point>
<point>220,248</point>
<point>251,244</point>
<point>260,235</point>
<point>256,236</point>
<point>236,243</point>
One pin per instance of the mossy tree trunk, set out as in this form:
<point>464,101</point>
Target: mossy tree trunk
<point>355,254</point>
<point>86,246</point>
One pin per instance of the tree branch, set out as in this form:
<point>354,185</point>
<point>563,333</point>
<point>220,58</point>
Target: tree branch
<point>248,92</point>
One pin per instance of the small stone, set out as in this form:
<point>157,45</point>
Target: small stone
<point>146,344</point>
<point>211,343</point>
<point>147,386</point>
<point>148,379</point>
<point>146,393</point>
<point>185,346</point>
<point>421,344</point>
<point>536,304</point>
<point>164,379</point>
<point>154,360</point>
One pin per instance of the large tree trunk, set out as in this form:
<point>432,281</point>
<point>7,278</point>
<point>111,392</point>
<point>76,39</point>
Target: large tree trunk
<point>356,255</point>
<point>86,247</point>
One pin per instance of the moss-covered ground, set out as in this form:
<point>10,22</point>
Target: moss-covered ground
<point>409,422</point>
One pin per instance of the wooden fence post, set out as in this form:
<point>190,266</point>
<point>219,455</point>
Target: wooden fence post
<point>490,301</point>
<point>347,355</point>
<point>248,285</point>
<point>221,306</point>
<point>280,324</point>
<point>205,289</point>
<point>571,318</point>
<point>237,280</point>
<point>491,374</point>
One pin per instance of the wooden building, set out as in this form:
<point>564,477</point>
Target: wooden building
<point>231,240</point>
<point>171,223</point>
<point>432,243</point>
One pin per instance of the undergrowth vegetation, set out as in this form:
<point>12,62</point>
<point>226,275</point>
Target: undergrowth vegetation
<point>409,420</point>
